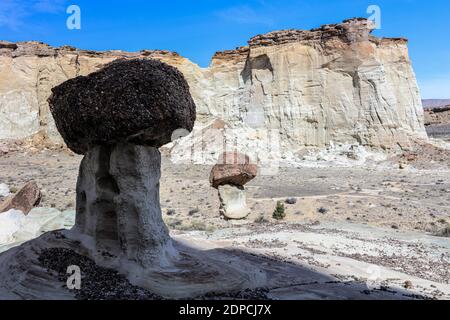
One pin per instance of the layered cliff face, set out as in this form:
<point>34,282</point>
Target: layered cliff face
<point>28,72</point>
<point>333,84</point>
<point>336,83</point>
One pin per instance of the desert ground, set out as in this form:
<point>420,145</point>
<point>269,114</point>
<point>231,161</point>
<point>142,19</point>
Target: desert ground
<point>382,229</point>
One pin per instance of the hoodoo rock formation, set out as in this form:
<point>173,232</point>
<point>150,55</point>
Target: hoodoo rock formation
<point>119,229</point>
<point>334,84</point>
<point>118,117</point>
<point>229,176</point>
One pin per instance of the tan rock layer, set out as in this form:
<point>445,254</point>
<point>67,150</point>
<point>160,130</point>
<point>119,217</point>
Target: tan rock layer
<point>336,83</point>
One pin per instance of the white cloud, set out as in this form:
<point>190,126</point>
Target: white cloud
<point>49,6</point>
<point>435,88</point>
<point>246,15</point>
<point>13,13</point>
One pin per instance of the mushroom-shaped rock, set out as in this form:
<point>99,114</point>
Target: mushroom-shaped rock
<point>229,176</point>
<point>117,117</point>
<point>232,168</point>
<point>137,101</point>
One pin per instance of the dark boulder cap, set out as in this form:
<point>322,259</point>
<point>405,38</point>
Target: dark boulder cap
<point>139,101</point>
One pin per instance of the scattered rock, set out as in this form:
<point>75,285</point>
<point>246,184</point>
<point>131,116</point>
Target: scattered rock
<point>24,200</point>
<point>193,211</point>
<point>402,165</point>
<point>408,285</point>
<point>291,201</point>
<point>233,202</point>
<point>170,212</point>
<point>322,210</point>
<point>13,189</point>
<point>3,150</point>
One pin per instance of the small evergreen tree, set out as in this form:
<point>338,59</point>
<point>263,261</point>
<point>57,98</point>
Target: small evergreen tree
<point>279,213</point>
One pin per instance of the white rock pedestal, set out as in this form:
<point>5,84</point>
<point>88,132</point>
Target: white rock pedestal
<point>118,207</point>
<point>233,202</point>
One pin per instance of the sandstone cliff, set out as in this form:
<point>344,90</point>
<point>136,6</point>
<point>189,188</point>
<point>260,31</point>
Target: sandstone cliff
<point>336,83</point>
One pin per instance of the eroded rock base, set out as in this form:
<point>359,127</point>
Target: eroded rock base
<point>233,202</point>
<point>118,208</point>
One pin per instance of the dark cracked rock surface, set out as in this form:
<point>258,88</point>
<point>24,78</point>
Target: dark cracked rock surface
<point>246,294</point>
<point>140,101</point>
<point>97,283</point>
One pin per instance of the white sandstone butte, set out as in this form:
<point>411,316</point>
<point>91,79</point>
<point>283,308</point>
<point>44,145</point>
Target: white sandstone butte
<point>334,84</point>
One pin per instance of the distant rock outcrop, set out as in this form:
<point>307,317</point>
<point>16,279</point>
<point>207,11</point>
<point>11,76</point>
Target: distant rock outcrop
<point>437,116</point>
<point>435,103</point>
<point>437,122</point>
<point>334,84</point>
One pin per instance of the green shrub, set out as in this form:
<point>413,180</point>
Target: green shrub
<point>279,212</point>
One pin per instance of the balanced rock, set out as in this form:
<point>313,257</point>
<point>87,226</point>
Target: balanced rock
<point>138,101</point>
<point>24,200</point>
<point>232,168</point>
<point>118,117</point>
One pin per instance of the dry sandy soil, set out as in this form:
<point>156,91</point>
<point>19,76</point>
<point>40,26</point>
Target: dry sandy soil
<point>408,199</point>
<point>344,222</point>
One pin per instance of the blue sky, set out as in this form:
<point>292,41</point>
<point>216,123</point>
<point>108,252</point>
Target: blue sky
<point>198,28</point>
